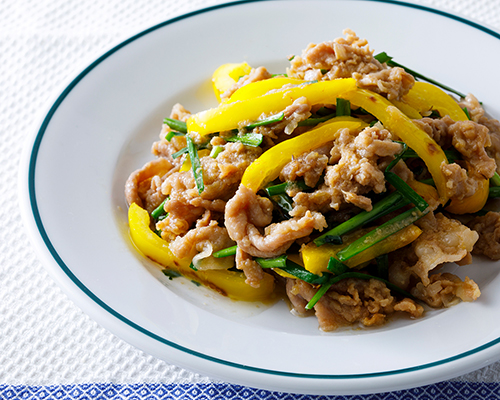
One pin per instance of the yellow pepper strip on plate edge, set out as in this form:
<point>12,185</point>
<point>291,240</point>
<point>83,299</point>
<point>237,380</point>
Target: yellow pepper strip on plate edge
<point>228,283</point>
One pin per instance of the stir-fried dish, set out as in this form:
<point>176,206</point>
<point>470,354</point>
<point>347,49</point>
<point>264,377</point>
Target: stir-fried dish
<point>346,182</point>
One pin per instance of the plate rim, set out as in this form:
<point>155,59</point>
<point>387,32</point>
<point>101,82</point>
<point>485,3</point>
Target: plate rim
<point>34,215</point>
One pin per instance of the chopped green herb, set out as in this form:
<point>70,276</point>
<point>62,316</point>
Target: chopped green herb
<point>495,179</point>
<point>228,251</point>
<point>434,114</point>
<point>195,165</point>
<point>301,273</point>
<point>466,111</point>
<point>248,139</point>
<point>390,203</point>
<point>405,189</point>
<point>318,295</point>
<point>266,121</point>
<point>193,267</point>
<point>159,211</point>
<point>215,151</point>
<point>336,267</point>
<point>171,274</point>
<point>179,153</point>
<point>281,188</point>
<point>276,262</point>
<point>343,108</point>
<point>380,233</point>
<point>171,134</point>
<point>176,125</point>
<point>401,186</point>
<point>494,191</point>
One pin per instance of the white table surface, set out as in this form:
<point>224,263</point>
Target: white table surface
<point>44,338</point>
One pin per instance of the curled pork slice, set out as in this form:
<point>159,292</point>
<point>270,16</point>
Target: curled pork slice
<point>359,161</point>
<point>471,140</point>
<point>296,112</point>
<point>251,268</point>
<point>309,165</point>
<point>184,205</point>
<point>350,57</point>
<point>443,240</point>
<point>493,126</point>
<point>165,148</point>
<point>180,217</point>
<point>349,301</point>
<point>143,186</point>
<point>488,228</point>
<point>436,128</point>
<point>248,219</point>
<point>320,200</point>
<point>473,106</point>
<point>393,82</point>
<point>478,115</point>
<point>221,177</point>
<point>446,290</point>
<point>335,59</point>
<point>206,230</point>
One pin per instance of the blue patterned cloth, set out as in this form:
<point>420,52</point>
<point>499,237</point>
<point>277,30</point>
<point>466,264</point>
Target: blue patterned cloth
<point>195,391</point>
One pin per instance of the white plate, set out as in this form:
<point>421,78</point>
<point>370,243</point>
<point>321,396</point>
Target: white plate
<point>101,127</point>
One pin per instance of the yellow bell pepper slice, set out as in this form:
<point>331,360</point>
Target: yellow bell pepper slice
<point>228,283</point>
<point>227,75</point>
<point>407,110</point>
<point>402,126</point>
<point>228,116</point>
<point>259,88</point>
<point>472,203</point>
<point>269,165</point>
<point>316,258</point>
<point>425,97</point>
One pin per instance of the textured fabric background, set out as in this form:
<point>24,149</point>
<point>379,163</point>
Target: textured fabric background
<point>44,338</point>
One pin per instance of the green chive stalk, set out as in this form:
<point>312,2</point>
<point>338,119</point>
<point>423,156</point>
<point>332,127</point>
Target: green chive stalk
<point>176,125</point>
<point>380,233</point>
<point>388,204</point>
<point>195,165</point>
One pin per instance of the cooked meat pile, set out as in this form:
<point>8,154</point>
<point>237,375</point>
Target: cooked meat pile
<point>342,178</point>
